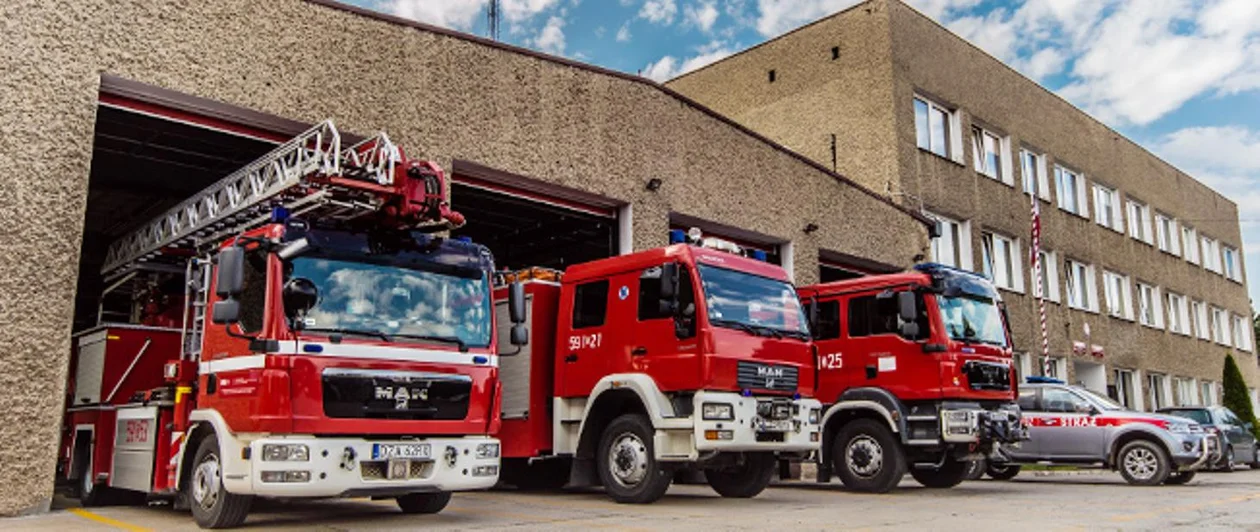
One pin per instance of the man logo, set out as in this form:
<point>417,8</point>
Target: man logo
<point>769,372</point>
<point>401,396</point>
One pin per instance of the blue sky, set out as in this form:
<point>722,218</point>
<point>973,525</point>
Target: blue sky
<point>1180,77</point>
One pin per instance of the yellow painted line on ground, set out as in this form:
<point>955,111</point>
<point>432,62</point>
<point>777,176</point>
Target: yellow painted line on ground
<point>107,521</point>
<point>1184,508</point>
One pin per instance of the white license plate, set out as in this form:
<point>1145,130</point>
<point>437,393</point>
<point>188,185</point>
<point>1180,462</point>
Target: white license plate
<point>385,451</point>
<point>777,425</point>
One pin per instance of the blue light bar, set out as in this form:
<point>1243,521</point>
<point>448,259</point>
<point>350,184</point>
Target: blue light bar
<point>467,239</point>
<point>279,214</point>
<point>313,348</point>
<point>759,255</point>
<point>677,236</point>
<point>1034,379</point>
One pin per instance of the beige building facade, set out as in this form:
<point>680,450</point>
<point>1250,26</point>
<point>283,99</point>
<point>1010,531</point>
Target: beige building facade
<point>1144,287</point>
<point>499,118</point>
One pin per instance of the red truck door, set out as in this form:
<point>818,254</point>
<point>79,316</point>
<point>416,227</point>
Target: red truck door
<point>583,351</point>
<point>875,353</point>
<point>661,344</point>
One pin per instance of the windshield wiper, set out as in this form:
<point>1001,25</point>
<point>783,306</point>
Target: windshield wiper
<point>360,332</point>
<point>459,342</point>
<point>760,330</point>
<point>738,325</point>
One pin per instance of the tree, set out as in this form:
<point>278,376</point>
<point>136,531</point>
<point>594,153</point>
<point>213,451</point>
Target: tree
<point>1235,394</point>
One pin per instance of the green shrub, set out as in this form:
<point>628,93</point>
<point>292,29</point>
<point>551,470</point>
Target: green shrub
<point>1235,394</point>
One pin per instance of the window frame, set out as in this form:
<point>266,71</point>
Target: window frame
<point>1230,265</point>
<point>1090,286</point>
<point>1148,301</point>
<point>952,145</point>
<point>1221,327</point>
<point>1123,293</point>
<point>1013,271</point>
<point>961,244</point>
<point>1167,239</point>
<point>1139,221</point>
<point>1178,314</point>
<point>981,138</point>
<point>1040,180</point>
<point>1242,333</point>
<point>1202,320</point>
<point>1190,245</point>
<point>1211,256</point>
<point>1080,205</point>
<point>1113,196</point>
<point>1050,275</point>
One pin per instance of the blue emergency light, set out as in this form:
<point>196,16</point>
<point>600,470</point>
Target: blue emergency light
<point>279,214</point>
<point>467,239</point>
<point>1034,379</point>
<point>677,236</point>
<point>759,255</point>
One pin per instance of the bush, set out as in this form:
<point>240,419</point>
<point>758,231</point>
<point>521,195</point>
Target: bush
<point>1235,394</point>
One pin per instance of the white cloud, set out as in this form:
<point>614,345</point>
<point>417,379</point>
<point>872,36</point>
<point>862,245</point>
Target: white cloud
<point>669,67</point>
<point>775,17</point>
<point>701,15</point>
<point>659,11</point>
<point>517,11</point>
<point>623,33</point>
<point>550,38</point>
<point>454,14</point>
<point>938,9</point>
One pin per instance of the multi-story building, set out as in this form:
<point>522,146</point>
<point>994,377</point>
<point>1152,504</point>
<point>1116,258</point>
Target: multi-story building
<point>1143,279</point>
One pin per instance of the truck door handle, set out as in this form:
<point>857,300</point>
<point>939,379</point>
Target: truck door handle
<point>639,351</point>
<point>571,357</point>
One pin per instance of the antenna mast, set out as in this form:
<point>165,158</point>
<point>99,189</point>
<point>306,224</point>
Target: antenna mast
<point>492,19</point>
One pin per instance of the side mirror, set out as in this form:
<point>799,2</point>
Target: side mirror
<point>909,330</point>
<point>908,306</point>
<point>299,295</point>
<point>1093,410</point>
<point>231,276</point>
<point>516,306</point>
<point>226,312</point>
<point>669,281</point>
<point>519,335</point>
<point>812,316</point>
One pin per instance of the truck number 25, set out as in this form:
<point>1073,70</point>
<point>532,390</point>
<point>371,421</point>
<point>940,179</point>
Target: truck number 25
<point>585,341</point>
<point>830,361</point>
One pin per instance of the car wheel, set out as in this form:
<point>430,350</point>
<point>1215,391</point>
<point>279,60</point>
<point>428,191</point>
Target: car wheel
<point>1143,463</point>
<point>1180,477</point>
<point>950,474</point>
<point>212,505</point>
<point>867,458</point>
<point>627,462</point>
<point>1227,463</point>
<point>1002,471</point>
<point>423,503</point>
<point>975,469</point>
<point>744,480</point>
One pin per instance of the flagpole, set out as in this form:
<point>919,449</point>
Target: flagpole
<point>1035,257</point>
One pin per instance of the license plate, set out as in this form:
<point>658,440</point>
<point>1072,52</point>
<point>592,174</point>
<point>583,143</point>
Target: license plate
<point>414,451</point>
<point>776,425</point>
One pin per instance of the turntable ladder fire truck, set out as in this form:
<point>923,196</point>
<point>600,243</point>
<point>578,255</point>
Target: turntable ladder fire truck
<point>294,330</point>
<point>670,361</point>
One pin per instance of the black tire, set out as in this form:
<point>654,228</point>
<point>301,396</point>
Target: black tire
<point>975,469</point>
<point>746,479</point>
<point>91,492</point>
<point>1143,463</point>
<point>1179,477</point>
<point>867,458</point>
<point>212,505</point>
<point>423,503</point>
<point>1227,461</point>
<point>950,474</point>
<point>1002,471</point>
<point>627,464</point>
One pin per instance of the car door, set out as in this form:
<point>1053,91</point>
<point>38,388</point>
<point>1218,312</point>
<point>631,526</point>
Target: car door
<point>1236,434</point>
<point>664,343</point>
<point>1070,427</point>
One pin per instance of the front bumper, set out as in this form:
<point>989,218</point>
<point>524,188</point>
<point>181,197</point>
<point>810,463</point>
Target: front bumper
<point>977,425</point>
<point>1190,452</point>
<point>795,428</point>
<point>345,467</point>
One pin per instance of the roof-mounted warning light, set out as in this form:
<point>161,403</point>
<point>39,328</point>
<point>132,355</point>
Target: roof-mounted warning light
<point>696,238</point>
<point>1034,379</point>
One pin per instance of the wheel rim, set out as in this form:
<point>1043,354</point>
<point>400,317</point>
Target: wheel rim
<point>628,460</point>
<point>864,456</point>
<point>88,485</point>
<point>1141,463</point>
<point>206,485</point>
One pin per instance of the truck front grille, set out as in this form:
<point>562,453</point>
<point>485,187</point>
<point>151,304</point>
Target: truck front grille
<point>773,377</point>
<point>987,375</point>
<point>383,394</point>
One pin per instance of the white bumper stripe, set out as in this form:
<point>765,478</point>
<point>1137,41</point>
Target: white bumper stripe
<point>368,352</point>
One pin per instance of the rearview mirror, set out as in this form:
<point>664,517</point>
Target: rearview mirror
<point>231,275</point>
<point>225,312</point>
<point>516,304</point>
<point>299,295</point>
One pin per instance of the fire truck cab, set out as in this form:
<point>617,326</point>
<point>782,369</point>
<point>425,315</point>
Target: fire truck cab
<point>639,366</point>
<point>916,370</point>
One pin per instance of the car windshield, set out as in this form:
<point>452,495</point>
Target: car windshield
<point>757,304</point>
<point>1201,416</point>
<point>1105,402</point>
<point>973,319</point>
<point>395,302</point>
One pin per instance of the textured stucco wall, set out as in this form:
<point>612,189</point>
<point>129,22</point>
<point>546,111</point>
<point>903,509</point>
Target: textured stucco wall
<point>438,96</point>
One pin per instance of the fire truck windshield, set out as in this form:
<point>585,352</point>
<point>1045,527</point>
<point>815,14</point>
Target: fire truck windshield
<point>752,303</point>
<point>973,319</point>
<point>394,302</point>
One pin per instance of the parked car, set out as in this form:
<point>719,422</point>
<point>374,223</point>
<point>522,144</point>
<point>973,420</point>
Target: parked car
<point>1233,434</point>
<point>1072,425</point>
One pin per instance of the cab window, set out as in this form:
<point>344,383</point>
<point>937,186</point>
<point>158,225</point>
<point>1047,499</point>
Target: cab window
<point>1028,400</point>
<point>590,304</point>
<point>828,326</point>
<point>1063,401</point>
<point>873,315</point>
<point>254,291</point>
<point>650,307</point>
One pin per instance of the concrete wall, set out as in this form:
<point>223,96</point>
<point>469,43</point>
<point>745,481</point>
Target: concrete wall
<point>437,95</point>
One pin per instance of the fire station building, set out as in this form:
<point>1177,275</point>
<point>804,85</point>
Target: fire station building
<point>1144,284</point>
<point>116,111</point>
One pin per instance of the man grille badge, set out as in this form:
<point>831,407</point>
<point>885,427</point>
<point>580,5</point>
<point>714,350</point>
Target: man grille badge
<point>402,396</point>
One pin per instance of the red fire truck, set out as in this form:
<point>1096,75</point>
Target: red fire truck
<point>916,371</point>
<point>641,366</point>
<point>294,330</point>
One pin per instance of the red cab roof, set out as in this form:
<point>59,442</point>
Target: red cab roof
<point>677,252</point>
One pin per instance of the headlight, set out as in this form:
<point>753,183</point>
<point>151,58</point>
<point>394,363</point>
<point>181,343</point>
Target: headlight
<point>285,452</point>
<point>717,412</point>
<point>1183,428</point>
<point>487,450</point>
<point>814,414</point>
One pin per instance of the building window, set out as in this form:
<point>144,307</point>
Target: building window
<point>1150,313</point>
<point>1071,190</point>
<point>1220,326</point>
<point>1118,295</point>
<point>1207,391</point>
<point>1190,243</point>
<point>1233,271</point>
<point>990,152</point>
<point>1080,286</point>
<point>1033,167</point>
<point>1057,367</point>
<point>1178,314</point>
<point>1023,366</point>
<point>1211,254</point>
<point>936,127</point>
<point>1166,234</point>
<point>1124,388</point>
<point>1185,391</point>
<point>1242,333</point>
<point>1156,391</point>
<point>953,247</point>
<point>1001,261</point>
<point>1198,311</point>
<point>1107,208</point>
<point>1048,288</point>
<point>1140,222</point>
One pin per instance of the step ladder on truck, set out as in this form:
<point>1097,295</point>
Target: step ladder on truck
<point>683,359</point>
<point>293,330</point>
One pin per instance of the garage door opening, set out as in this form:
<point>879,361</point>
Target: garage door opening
<point>142,164</point>
<point>834,266</point>
<point>525,228</point>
